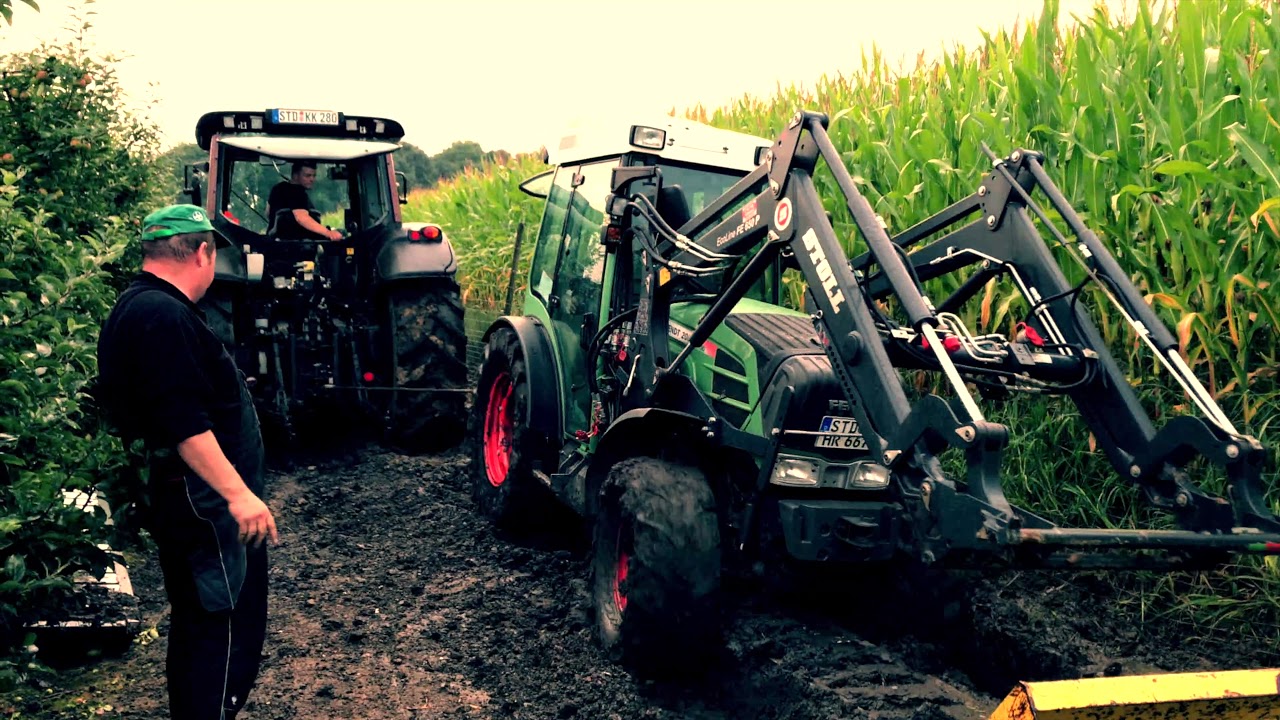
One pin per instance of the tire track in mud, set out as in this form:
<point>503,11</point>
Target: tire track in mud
<point>392,598</point>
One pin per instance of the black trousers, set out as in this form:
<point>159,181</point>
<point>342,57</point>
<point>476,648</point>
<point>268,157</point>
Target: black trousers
<point>213,657</point>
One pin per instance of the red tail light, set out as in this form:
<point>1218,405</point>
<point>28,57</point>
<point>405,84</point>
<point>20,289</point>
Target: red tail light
<point>429,233</point>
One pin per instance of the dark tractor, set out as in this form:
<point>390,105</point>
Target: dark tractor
<point>364,331</point>
<point>657,385</point>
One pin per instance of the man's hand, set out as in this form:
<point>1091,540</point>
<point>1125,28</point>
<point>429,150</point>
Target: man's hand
<point>306,221</point>
<point>203,455</point>
<point>255,520</point>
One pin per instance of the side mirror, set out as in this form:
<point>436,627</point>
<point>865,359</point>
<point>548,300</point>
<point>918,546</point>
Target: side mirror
<point>402,187</point>
<point>191,177</point>
<point>621,176</point>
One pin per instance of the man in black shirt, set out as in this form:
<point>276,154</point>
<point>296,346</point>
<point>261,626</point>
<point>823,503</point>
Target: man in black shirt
<point>289,207</point>
<point>166,379</point>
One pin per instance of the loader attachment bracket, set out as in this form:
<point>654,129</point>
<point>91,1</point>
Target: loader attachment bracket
<point>996,194</point>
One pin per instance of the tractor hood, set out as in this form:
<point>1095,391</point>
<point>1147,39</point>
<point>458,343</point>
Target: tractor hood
<point>310,148</point>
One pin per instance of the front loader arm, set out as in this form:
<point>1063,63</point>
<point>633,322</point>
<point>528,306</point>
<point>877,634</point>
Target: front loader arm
<point>777,211</point>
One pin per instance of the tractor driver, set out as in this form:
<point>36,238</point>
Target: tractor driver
<point>289,207</point>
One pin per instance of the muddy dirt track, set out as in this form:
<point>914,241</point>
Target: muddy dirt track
<point>390,598</point>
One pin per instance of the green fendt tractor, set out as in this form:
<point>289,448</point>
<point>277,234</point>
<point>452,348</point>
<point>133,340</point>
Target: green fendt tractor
<point>657,385</point>
<point>365,329</point>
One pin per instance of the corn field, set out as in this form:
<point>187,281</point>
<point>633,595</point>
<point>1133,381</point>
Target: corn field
<point>481,210</point>
<point>1163,131</point>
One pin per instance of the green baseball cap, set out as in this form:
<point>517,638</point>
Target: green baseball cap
<point>178,220</point>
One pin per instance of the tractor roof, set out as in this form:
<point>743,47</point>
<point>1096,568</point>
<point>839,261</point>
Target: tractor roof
<point>309,148</point>
<point>668,137</point>
<point>300,124</point>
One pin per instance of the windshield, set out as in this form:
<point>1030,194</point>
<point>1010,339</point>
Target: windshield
<point>700,186</point>
<point>247,178</point>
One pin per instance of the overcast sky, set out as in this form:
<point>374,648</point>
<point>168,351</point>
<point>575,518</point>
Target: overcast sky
<point>506,74</point>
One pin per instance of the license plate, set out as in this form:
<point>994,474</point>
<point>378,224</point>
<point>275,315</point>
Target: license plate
<point>839,433</point>
<point>306,117</point>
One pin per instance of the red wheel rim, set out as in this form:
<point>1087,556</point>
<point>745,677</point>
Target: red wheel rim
<point>620,569</point>
<point>498,430</point>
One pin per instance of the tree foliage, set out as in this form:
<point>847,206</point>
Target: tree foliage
<point>457,157</point>
<point>171,165</point>
<point>6,9</point>
<point>76,175</point>
<point>418,167</point>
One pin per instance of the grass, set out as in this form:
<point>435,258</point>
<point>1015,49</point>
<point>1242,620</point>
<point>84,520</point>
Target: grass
<point>1164,133</point>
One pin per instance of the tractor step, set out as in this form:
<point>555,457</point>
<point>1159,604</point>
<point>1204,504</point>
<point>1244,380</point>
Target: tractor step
<point>1187,696</point>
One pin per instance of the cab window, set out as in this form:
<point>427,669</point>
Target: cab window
<point>247,179</point>
<point>551,233</point>
<point>582,265</point>
<point>575,295</point>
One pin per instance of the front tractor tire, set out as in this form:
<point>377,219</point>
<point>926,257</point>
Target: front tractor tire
<point>503,486</point>
<point>426,407</point>
<point>656,568</point>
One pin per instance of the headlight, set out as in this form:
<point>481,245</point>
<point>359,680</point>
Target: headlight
<point>799,471</point>
<point>866,474</point>
<point>795,472</point>
<point>647,137</point>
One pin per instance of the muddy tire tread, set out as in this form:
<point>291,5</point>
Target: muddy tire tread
<point>430,351</point>
<point>520,502</point>
<point>674,620</point>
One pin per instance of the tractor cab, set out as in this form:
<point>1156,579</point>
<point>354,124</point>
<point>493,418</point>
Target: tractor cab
<point>678,167</point>
<point>587,273</point>
<point>356,190</point>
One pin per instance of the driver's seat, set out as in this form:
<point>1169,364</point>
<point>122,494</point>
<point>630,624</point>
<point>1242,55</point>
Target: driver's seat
<point>235,233</point>
<point>673,206</point>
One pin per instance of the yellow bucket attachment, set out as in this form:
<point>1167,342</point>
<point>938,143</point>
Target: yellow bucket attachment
<point>1229,695</point>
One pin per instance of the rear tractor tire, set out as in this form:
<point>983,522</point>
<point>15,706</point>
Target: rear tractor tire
<point>656,568</point>
<point>428,352</point>
<point>503,486</point>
